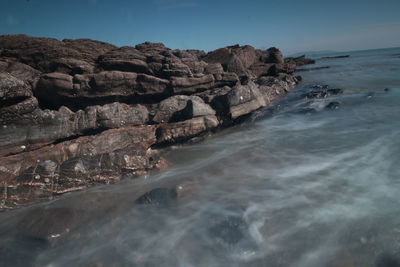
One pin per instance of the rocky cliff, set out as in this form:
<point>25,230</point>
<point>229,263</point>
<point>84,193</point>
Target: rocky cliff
<point>76,113</point>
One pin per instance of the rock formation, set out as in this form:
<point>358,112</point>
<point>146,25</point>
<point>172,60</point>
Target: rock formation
<point>76,113</point>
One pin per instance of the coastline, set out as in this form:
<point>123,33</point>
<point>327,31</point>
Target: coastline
<point>79,113</point>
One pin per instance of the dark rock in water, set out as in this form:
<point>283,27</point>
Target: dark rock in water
<point>299,61</point>
<point>76,113</point>
<point>158,197</point>
<point>387,260</point>
<point>322,93</point>
<point>311,69</point>
<point>48,225</point>
<point>299,78</point>
<point>334,57</point>
<point>333,105</point>
<point>320,86</point>
<point>229,231</point>
<point>187,189</point>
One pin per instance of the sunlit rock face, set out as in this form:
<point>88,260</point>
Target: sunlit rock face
<point>76,113</point>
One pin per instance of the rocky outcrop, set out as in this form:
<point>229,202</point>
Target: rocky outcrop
<point>76,113</point>
<point>299,61</point>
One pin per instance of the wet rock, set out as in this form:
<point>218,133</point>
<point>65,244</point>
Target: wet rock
<point>229,231</point>
<point>48,225</point>
<point>322,93</point>
<point>299,78</point>
<point>335,57</point>
<point>320,86</point>
<point>300,61</point>
<point>333,105</point>
<point>180,131</point>
<point>158,197</point>
<point>186,189</point>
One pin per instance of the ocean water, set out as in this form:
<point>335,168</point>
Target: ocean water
<point>302,186</point>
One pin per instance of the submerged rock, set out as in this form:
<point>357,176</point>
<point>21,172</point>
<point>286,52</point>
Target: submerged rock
<point>228,231</point>
<point>300,61</point>
<point>322,93</point>
<point>333,105</point>
<point>48,225</point>
<point>158,197</point>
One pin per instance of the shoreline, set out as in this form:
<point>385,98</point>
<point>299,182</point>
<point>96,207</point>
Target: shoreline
<point>80,113</point>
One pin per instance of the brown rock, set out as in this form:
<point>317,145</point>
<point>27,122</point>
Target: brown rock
<point>192,85</point>
<point>139,137</point>
<point>125,59</point>
<point>48,225</point>
<point>181,107</point>
<point>274,55</point>
<point>49,55</point>
<point>179,131</point>
<point>150,85</point>
<point>12,90</point>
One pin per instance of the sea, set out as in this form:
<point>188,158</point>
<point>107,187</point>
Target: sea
<point>309,182</point>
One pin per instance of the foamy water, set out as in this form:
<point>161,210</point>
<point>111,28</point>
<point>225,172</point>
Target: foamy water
<point>289,189</point>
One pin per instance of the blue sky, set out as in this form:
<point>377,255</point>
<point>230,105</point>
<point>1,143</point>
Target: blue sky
<point>293,26</point>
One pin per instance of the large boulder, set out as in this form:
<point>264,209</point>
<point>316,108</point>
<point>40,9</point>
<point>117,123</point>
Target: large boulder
<point>183,130</point>
<point>20,71</point>
<point>299,61</point>
<point>274,55</point>
<point>12,90</point>
<point>181,107</point>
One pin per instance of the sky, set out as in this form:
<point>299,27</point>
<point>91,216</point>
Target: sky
<point>291,25</point>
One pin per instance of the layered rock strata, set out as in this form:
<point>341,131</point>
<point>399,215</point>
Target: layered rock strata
<point>76,113</point>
